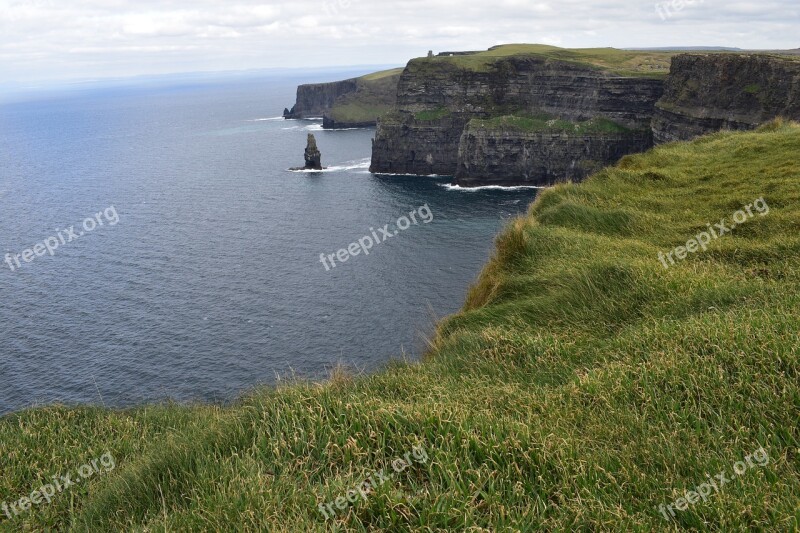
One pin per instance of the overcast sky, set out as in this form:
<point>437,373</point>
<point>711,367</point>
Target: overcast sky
<point>66,39</point>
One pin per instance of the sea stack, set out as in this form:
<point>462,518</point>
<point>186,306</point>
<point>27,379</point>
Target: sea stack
<point>313,157</point>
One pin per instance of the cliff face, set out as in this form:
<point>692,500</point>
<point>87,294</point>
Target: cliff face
<point>436,100</point>
<point>313,100</point>
<point>405,145</point>
<point>708,92</point>
<point>353,103</point>
<point>506,156</point>
<point>527,84</point>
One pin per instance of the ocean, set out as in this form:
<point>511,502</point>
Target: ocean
<point>156,247</point>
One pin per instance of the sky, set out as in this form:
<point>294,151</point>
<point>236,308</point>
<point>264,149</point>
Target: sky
<point>53,40</point>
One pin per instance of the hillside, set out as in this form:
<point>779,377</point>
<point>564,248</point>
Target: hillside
<point>355,102</point>
<point>587,382</point>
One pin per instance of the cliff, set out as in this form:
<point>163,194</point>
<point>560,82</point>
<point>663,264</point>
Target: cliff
<point>422,146</point>
<point>356,102</point>
<point>314,100</point>
<point>710,92</point>
<point>439,125</point>
<point>437,97</point>
<point>516,151</point>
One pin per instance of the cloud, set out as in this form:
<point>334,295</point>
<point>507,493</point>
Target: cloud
<point>54,39</point>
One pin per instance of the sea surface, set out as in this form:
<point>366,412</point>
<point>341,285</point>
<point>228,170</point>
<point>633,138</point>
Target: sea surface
<point>204,278</point>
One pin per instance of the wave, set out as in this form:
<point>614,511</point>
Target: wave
<point>270,119</point>
<point>451,187</point>
<point>356,164</point>
<point>315,127</point>
<point>411,175</point>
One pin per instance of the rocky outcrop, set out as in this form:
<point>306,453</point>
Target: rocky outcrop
<point>312,155</point>
<point>437,99</point>
<point>709,92</point>
<point>507,156</point>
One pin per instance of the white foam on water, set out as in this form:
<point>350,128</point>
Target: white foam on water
<point>347,165</point>
<point>412,175</point>
<point>264,119</point>
<point>451,187</point>
<point>353,165</point>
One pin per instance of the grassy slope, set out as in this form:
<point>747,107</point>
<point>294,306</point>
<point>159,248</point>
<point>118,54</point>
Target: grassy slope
<point>621,62</point>
<point>382,74</point>
<point>376,96</point>
<point>582,385</point>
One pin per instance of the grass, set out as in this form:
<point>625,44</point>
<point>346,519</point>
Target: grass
<point>547,124</point>
<point>360,111</point>
<point>753,89</point>
<point>582,385</point>
<point>433,114</point>
<point>375,96</point>
<point>620,62</point>
<point>395,72</point>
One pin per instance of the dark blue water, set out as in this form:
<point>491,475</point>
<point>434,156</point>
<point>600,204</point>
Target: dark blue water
<point>210,282</point>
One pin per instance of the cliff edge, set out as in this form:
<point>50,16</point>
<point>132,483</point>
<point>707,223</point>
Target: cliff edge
<point>351,103</point>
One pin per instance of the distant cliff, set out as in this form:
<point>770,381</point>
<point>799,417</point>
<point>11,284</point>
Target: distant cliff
<point>438,97</point>
<point>710,92</point>
<point>356,102</point>
<point>313,100</point>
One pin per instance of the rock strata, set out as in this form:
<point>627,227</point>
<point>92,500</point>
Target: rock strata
<point>710,92</point>
<point>436,101</point>
<point>508,157</point>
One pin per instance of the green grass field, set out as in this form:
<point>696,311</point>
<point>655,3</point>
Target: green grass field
<point>583,385</point>
<point>621,62</point>
<point>376,96</point>
<point>382,74</point>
